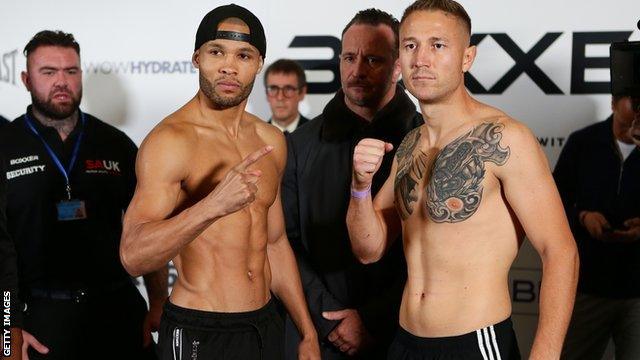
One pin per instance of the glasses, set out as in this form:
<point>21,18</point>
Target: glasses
<point>287,90</point>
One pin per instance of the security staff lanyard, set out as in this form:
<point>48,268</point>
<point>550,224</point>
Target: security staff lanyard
<point>66,172</point>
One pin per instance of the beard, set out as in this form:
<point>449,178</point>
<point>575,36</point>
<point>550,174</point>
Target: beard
<point>224,102</point>
<point>56,111</point>
<point>374,96</point>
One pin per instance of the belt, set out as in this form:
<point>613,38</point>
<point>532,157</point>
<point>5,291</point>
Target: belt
<point>78,295</point>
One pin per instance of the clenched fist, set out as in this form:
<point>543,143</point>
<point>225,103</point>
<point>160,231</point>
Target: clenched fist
<point>238,188</point>
<point>367,158</point>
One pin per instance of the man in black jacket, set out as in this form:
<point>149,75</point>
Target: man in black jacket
<point>598,176</point>
<point>354,306</point>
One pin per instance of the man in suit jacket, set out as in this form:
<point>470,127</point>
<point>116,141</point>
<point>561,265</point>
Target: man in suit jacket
<point>286,86</point>
<point>353,306</point>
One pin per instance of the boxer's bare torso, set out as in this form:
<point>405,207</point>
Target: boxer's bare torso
<point>460,236</point>
<point>463,196</point>
<point>226,267</point>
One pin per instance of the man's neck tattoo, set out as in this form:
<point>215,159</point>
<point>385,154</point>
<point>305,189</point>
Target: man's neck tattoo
<point>64,127</point>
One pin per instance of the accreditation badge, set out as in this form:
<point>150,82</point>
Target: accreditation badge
<point>71,210</point>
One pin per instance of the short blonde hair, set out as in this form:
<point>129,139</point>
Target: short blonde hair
<point>449,6</point>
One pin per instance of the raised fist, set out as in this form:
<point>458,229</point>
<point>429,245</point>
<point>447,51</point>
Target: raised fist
<point>367,158</point>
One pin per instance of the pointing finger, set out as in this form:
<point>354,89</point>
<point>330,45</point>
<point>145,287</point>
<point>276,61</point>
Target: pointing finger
<point>253,157</point>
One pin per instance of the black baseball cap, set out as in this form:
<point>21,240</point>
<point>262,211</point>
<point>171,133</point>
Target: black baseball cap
<point>208,29</point>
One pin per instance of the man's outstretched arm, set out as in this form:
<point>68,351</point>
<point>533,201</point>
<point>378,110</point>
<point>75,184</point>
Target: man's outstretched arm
<point>151,235</point>
<point>372,224</point>
<point>532,194</point>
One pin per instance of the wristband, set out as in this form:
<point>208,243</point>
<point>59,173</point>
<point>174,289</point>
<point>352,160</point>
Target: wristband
<point>360,194</point>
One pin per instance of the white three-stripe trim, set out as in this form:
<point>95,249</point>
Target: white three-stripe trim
<point>177,344</point>
<point>488,346</point>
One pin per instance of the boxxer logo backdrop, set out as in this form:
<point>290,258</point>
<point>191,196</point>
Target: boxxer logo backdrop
<point>525,62</point>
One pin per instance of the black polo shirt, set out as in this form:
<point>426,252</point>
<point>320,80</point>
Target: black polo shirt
<point>67,254</point>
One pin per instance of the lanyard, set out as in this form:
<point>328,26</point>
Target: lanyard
<point>54,157</point>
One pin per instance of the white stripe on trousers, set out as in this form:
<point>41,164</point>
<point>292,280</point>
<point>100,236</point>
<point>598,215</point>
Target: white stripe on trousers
<point>491,345</point>
<point>495,343</point>
<point>177,343</point>
<point>174,343</point>
<point>479,335</point>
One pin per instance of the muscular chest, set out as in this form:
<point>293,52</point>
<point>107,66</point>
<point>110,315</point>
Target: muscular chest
<point>447,184</point>
<point>213,160</point>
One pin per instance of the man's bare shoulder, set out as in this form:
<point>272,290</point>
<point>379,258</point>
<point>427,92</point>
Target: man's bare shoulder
<point>516,134</point>
<point>271,135</point>
<point>174,130</point>
<point>510,130</point>
<point>517,140</point>
<point>168,148</point>
<point>170,136</point>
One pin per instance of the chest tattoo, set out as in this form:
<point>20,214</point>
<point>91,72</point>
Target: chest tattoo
<point>455,188</point>
<point>411,170</point>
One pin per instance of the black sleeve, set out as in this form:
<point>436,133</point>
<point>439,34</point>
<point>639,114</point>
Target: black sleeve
<point>566,177</point>
<point>8,256</point>
<point>318,297</point>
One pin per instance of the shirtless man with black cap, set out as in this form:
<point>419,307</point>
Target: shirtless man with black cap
<point>208,198</point>
<point>464,188</point>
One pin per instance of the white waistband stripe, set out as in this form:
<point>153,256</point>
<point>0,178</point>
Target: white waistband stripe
<point>494,342</point>
<point>480,345</point>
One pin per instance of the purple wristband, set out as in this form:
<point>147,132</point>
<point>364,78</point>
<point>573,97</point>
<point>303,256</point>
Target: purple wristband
<point>360,194</point>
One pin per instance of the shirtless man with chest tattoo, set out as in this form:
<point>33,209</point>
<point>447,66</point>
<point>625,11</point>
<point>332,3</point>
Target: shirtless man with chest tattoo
<point>208,198</point>
<point>464,189</point>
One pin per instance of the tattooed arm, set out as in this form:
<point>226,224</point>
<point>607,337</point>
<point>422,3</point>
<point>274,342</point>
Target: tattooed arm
<point>372,225</point>
<point>532,194</point>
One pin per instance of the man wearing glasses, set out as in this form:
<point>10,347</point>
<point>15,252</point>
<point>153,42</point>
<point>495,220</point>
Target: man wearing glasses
<point>286,87</point>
